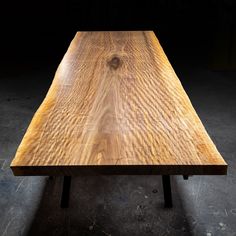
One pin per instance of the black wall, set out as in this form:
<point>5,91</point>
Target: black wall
<point>40,31</point>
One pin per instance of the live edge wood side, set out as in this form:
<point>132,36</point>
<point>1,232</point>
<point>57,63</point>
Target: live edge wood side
<point>116,106</point>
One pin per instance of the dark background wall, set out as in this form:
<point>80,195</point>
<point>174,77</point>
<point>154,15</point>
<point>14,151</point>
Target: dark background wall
<point>40,31</point>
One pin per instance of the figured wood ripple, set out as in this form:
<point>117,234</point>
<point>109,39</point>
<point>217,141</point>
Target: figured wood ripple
<point>116,104</point>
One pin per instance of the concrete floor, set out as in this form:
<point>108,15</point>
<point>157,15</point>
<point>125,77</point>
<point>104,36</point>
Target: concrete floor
<point>119,205</point>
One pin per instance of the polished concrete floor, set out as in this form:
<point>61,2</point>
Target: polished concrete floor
<point>119,205</point>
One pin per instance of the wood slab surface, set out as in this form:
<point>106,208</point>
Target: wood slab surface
<point>116,106</point>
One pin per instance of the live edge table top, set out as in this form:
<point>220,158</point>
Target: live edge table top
<point>116,106</point>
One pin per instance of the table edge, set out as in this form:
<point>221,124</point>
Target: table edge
<point>120,170</point>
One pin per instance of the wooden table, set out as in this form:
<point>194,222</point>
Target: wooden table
<point>116,106</point>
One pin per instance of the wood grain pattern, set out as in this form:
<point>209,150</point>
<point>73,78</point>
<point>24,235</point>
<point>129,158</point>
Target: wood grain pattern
<point>116,106</point>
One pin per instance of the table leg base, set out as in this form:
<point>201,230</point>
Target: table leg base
<point>65,197</point>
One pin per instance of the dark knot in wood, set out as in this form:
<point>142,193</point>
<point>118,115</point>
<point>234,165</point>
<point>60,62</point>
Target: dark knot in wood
<point>114,63</point>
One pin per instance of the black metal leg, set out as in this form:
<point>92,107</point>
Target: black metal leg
<point>65,192</point>
<point>167,190</point>
<point>185,177</point>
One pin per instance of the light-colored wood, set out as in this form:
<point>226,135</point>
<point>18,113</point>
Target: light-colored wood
<point>116,106</point>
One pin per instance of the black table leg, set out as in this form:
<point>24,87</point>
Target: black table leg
<point>185,177</point>
<point>65,192</point>
<point>167,190</point>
